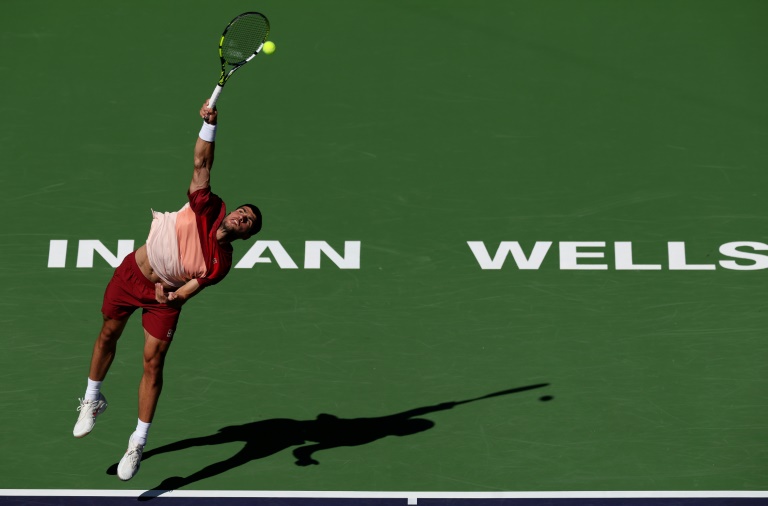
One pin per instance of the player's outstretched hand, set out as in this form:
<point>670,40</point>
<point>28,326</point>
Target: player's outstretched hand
<point>173,299</point>
<point>162,296</point>
<point>208,114</point>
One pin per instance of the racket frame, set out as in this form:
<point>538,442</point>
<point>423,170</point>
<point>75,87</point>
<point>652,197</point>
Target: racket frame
<point>226,75</point>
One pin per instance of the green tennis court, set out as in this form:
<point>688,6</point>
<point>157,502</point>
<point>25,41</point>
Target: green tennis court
<point>559,202</point>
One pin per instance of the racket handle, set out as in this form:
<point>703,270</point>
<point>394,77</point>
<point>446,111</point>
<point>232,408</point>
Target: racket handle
<point>215,96</point>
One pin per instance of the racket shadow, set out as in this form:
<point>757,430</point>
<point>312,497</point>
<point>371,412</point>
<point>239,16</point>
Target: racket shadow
<point>267,437</point>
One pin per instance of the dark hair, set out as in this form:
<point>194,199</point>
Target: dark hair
<point>256,227</point>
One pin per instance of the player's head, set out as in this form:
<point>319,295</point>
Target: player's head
<point>256,224</point>
<point>243,222</point>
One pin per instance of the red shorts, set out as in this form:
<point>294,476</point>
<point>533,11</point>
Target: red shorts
<point>129,290</point>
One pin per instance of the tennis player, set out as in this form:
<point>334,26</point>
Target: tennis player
<point>186,251</point>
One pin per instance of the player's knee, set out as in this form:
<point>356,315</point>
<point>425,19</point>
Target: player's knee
<point>153,365</point>
<point>153,373</point>
<point>110,332</point>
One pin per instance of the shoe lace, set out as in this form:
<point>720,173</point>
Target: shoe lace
<point>83,404</point>
<point>134,453</point>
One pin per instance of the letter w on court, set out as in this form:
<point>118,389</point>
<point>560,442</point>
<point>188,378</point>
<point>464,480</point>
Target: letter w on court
<point>531,262</point>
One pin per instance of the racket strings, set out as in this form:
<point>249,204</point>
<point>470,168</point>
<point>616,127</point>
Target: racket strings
<point>244,37</point>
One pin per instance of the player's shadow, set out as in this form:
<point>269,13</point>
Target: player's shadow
<point>267,437</point>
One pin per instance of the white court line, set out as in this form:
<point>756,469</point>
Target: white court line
<point>410,495</point>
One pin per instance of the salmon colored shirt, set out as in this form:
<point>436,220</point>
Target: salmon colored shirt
<point>182,245</point>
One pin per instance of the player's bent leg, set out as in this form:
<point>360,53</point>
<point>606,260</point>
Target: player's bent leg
<point>150,387</point>
<point>151,384</point>
<point>105,347</point>
<point>103,355</point>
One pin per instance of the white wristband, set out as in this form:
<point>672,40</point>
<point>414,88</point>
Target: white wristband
<point>208,132</point>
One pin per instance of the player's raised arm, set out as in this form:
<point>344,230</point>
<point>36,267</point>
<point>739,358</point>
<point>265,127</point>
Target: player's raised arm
<point>204,148</point>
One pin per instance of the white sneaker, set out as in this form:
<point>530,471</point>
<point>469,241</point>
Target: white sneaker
<point>89,410</point>
<point>129,464</point>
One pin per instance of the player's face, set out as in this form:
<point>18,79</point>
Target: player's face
<point>239,221</point>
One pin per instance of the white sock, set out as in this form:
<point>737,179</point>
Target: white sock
<point>92,392</point>
<point>140,434</point>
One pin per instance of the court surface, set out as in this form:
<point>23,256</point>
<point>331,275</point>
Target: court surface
<point>552,210</point>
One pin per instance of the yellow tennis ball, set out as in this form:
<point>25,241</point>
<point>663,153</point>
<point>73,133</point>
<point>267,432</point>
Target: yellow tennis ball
<point>269,47</point>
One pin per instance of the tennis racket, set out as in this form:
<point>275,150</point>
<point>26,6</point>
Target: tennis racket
<point>504,392</point>
<point>242,39</point>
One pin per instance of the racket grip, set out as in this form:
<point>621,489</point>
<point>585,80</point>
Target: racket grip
<point>215,96</point>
